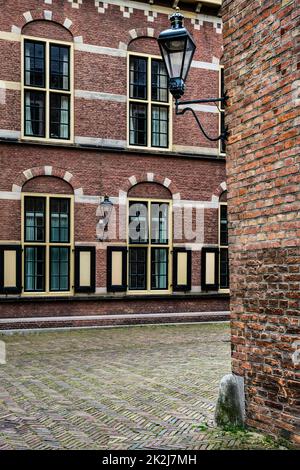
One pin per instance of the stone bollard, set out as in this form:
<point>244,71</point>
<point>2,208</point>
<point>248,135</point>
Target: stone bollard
<point>230,410</point>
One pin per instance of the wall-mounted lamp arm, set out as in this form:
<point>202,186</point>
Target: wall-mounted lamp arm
<point>178,112</point>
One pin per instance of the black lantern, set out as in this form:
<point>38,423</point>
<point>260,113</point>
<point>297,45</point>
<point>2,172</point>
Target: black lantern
<point>177,49</point>
<point>106,207</point>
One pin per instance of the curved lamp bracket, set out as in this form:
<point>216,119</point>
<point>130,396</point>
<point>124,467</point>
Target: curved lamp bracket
<point>224,135</point>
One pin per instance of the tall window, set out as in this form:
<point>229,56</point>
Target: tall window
<point>47,90</point>
<point>149,245</point>
<point>223,242</point>
<point>149,103</point>
<point>47,244</point>
<point>222,143</point>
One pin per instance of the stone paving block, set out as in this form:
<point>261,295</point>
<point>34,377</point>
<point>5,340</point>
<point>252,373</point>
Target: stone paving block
<point>151,387</point>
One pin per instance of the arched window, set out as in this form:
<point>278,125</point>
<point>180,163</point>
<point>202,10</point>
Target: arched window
<point>149,101</point>
<point>149,237</point>
<point>47,87</point>
<point>47,237</point>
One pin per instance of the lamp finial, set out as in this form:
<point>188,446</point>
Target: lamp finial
<point>177,19</point>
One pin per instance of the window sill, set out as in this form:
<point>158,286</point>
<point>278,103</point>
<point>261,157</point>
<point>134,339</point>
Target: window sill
<point>148,149</point>
<point>123,150</point>
<point>44,140</point>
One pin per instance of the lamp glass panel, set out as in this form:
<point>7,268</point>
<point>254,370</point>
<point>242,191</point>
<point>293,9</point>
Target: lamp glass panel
<point>190,49</point>
<point>173,52</point>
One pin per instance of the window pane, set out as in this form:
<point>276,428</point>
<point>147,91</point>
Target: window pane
<point>34,264</point>
<point>159,268</point>
<point>138,78</point>
<point>138,268</point>
<point>159,222</point>
<point>138,222</point>
<point>223,225</point>
<point>160,124</point>
<point>59,268</point>
<point>59,67</point>
<point>138,124</point>
<point>59,116</point>
<point>224,269</point>
<point>59,219</point>
<point>34,64</point>
<point>35,113</point>
<point>159,83</point>
<point>34,219</point>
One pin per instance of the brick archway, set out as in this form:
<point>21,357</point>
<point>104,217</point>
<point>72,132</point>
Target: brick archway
<point>219,190</point>
<point>47,171</point>
<point>137,33</point>
<point>45,15</point>
<point>153,178</point>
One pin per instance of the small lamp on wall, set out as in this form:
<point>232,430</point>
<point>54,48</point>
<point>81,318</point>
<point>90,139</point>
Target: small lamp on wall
<point>105,210</point>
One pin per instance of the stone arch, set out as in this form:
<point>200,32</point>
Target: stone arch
<point>136,33</point>
<point>153,178</point>
<point>219,190</point>
<point>223,196</point>
<point>48,30</point>
<point>48,15</point>
<point>47,171</point>
<point>47,184</point>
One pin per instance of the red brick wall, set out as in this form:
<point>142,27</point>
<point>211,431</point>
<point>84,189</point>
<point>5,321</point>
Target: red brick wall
<point>106,307</point>
<point>47,184</point>
<point>47,30</point>
<point>149,190</point>
<point>262,79</point>
<point>99,172</point>
<point>105,172</point>
<point>106,73</point>
<point>142,45</point>
<point>10,226</point>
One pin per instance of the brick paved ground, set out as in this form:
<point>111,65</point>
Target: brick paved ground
<point>144,387</point>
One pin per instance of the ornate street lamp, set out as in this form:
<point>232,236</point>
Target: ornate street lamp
<point>105,210</point>
<point>177,48</point>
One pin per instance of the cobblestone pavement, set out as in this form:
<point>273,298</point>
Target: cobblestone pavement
<point>145,387</point>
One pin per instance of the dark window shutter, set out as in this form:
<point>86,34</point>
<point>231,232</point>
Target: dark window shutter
<point>10,269</point>
<point>116,268</point>
<point>210,268</point>
<point>182,269</point>
<point>85,269</point>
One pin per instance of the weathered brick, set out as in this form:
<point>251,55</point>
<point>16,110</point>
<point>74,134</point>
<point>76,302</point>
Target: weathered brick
<point>260,59</point>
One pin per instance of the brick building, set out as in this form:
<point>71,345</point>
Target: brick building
<point>85,112</point>
<point>261,62</point>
